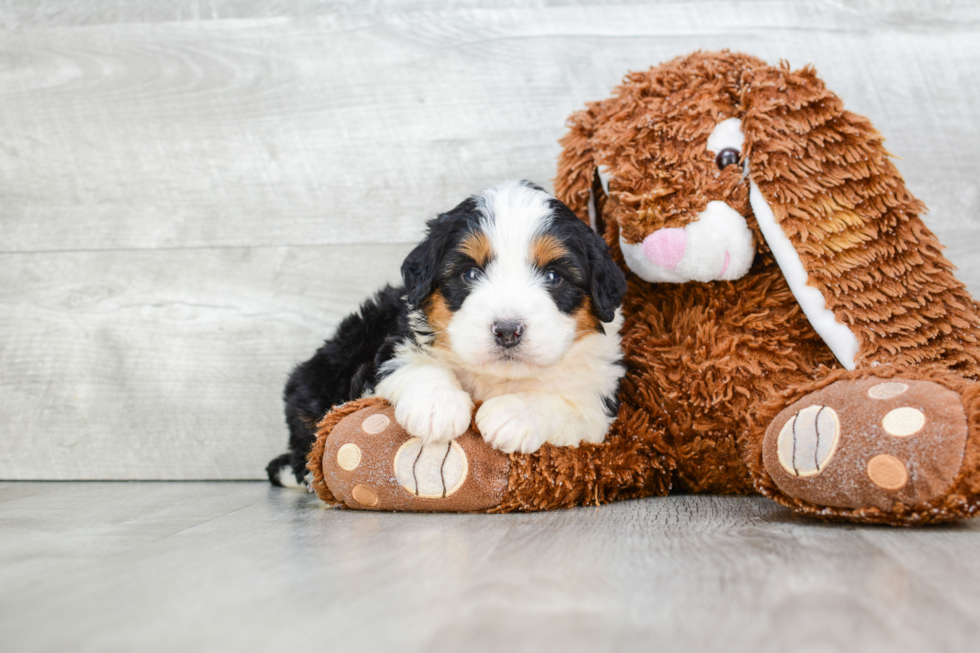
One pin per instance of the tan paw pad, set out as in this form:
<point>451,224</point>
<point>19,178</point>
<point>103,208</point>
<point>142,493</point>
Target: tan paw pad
<point>887,390</point>
<point>349,456</point>
<point>903,422</point>
<point>375,423</point>
<point>891,441</point>
<point>432,471</point>
<point>887,472</point>
<point>807,442</point>
<point>365,496</point>
<point>369,462</point>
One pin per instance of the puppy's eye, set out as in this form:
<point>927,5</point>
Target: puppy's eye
<point>551,278</point>
<point>727,157</point>
<point>471,275</point>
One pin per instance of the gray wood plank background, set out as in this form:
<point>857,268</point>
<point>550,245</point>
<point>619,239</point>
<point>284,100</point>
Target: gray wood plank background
<point>192,194</point>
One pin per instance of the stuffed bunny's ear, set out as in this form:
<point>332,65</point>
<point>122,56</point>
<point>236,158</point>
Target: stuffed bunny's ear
<point>833,210</point>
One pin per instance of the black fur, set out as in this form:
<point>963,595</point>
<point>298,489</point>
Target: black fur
<point>344,368</point>
<point>590,269</point>
<point>426,267</point>
<point>611,405</point>
<point>347,365</point>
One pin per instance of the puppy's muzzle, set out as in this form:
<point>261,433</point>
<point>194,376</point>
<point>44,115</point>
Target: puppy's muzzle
<point>507,333</point>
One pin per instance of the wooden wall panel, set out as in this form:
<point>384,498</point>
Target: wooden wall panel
<point>164,364</point>
<point>193,193</point>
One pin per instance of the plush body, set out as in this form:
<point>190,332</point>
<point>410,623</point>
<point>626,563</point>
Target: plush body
<point>860,289</point>
<point>510,301</point>
<point>790,324</point>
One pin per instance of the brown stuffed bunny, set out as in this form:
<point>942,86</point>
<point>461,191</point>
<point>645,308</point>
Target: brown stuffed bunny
<point>791,327</point>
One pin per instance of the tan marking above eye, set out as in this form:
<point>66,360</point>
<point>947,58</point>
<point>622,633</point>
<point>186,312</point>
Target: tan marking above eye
<point>477,246</point>
<point>546,249</point>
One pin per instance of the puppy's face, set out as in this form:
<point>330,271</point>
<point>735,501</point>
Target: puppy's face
<point>507,281</point>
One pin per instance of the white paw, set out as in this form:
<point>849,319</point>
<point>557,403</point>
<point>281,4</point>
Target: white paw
<point>509,423</point>
<point>434,413</point>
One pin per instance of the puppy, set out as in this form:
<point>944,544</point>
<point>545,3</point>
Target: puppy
<point>510,300</point>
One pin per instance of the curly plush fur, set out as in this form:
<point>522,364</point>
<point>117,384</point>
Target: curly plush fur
<point>713,363</point>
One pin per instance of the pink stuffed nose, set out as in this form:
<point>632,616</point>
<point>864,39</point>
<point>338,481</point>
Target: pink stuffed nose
<point>665,247</point>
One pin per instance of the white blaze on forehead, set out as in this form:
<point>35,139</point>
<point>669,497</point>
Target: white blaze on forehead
<point>513,214</point>
<point>726,135</point>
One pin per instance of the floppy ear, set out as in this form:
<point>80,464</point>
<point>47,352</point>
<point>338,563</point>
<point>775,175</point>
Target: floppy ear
<point>421,267</point>
<point>607,283</point>
<point>843,227</point>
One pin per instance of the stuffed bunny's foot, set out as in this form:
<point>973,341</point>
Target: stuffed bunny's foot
<point>370,462</point>
<point>890,444</point>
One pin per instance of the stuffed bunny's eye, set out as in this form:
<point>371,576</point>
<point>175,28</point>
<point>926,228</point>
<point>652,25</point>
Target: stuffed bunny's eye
<point>727,157</point>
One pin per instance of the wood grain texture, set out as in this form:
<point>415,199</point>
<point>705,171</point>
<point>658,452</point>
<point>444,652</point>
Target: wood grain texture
<point>244,567</point>
<point>166,363</point>
<point>180,154</point>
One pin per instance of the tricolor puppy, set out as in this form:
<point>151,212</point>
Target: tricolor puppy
<point>510,300</point>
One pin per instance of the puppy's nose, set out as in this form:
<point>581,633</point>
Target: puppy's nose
<point>507,333</point>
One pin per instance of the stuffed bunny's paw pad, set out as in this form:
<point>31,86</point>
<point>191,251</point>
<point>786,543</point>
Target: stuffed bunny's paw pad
<point>371,463</point>
<point>868,443</point>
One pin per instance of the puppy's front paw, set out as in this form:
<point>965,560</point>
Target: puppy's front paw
<point>509,423</point>
<point>434,413</point>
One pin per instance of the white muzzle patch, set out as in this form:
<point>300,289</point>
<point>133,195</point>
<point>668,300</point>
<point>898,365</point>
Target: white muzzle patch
<point>717,246</point>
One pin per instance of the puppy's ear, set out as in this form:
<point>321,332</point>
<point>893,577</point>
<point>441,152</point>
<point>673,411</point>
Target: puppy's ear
<point>420,271</point>
<point>421,267</point>
<point>607,282</point>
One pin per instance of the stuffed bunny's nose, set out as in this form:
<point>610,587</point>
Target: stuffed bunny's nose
<point>665,247</point>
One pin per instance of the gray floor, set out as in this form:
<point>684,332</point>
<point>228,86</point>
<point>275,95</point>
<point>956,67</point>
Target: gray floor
<point>241,566</point>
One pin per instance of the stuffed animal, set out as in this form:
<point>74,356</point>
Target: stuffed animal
<point>790,326</point>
